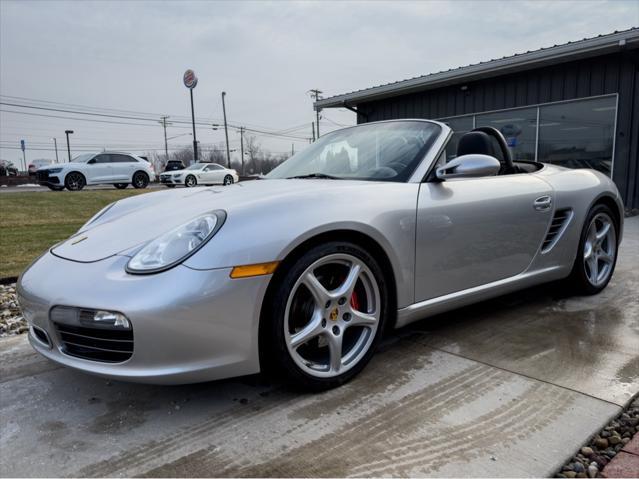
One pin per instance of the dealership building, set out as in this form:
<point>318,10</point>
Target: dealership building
<point>575,104</point>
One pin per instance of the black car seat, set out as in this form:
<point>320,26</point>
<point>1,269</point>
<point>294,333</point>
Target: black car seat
<point>481,143</point>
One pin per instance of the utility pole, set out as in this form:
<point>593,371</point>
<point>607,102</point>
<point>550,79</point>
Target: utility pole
<point>166,144</point>
<point>242,147</point>
<point>68,132</point>
<point>55,143</point>
<point>226,131</point>
<point>315,92</point>
<point>313,127</point>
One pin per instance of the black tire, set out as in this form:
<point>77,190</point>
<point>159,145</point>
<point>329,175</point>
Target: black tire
<point>120,186</point>
<point>55,188</point>
<point>228,180</point>
<point>274,354</point>
<point>190,181</point>
<point>75,181</point>
<point>140,180</point>
<point>578,282</point>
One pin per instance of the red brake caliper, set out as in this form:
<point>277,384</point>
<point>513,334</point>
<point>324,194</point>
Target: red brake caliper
<point>355,301</point>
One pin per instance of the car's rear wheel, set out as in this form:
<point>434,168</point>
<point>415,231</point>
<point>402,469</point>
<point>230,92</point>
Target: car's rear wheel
<point>120,186</point>
<point>190,181</point>
<point>228,180</point>
<point>328,312</point>
<point>140,180</point>
<point>597,254</point>
<point>75,181</point>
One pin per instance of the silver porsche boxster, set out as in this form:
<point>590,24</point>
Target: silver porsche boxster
<point>301,272</point>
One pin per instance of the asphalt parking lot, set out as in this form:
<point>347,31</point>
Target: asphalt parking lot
<point>510,387</point>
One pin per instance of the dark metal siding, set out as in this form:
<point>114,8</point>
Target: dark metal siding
<point>615,73</point>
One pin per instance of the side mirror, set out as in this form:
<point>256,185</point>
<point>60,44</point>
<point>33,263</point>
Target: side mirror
<point>469,166</point>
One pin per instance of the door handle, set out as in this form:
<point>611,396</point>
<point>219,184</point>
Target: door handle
<point>542,203</point>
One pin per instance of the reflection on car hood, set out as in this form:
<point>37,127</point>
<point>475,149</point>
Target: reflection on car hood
<point>139,219</point>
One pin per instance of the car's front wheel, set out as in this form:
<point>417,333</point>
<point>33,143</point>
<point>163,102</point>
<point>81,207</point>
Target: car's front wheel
<point>75,181</point>
<point>597,253</point>
<point>190,181</point>
<point>327,315</point>
<point>140,180</point>
<point>120,186</point>
<point>228,180</point>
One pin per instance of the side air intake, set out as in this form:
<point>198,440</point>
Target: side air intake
<point>557,227</point>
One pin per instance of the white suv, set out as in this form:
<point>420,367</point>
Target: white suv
<point>109,167</point>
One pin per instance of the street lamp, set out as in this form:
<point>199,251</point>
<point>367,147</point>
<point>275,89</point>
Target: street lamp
<point>68,132</point>
<point>55,143</point>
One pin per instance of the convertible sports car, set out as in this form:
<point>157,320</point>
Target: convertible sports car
<point>301,272</point>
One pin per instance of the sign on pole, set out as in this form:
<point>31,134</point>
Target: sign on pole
<point>190,80</point>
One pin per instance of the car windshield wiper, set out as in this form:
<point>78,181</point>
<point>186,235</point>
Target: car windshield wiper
<point>322,176</point>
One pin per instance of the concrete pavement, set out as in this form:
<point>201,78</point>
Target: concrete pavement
<point>510,387</point>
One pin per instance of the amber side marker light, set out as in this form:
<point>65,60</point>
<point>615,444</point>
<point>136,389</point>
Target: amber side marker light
<point>248,270</point>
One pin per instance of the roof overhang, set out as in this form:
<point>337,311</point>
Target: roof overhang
<point>590,47</point>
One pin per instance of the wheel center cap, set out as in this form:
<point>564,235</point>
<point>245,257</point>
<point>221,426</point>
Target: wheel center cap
<point>334,314</point>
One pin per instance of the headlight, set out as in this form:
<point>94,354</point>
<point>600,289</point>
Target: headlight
<point>176,245</point>
<point>177,177</point>
<point>54,170</point>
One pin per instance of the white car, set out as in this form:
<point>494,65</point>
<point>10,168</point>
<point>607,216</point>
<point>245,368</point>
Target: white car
<point>200,173</point>
<point>109,167</point>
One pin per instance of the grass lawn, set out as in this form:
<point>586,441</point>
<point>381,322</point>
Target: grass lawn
<point>31,222</point>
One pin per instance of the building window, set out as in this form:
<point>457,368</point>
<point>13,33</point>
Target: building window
<point>459,125</point>
<point>519,127</point>
<point>578,134</point>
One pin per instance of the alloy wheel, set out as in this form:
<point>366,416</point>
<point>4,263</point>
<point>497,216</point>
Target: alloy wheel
<point>600,249</point>
<point>75,181</point>
<point>190,181</point>
<point>228,180</point>
<point>332,315</point>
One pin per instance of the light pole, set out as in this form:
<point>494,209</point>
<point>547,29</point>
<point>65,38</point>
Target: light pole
<point>226,131</point>
<point>55,143</point>
<point>190,81</point>
<point>68,132</point>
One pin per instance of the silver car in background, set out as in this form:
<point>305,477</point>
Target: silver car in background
<point>300,273</point>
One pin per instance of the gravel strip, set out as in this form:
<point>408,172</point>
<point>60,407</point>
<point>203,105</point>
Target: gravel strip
<point>11,320</point>
<point>591,459</point>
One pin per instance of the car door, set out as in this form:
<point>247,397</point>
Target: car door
<point>123,167</point>
<point>99,169</point>
<point>475,231</point>
<point>214,173</point>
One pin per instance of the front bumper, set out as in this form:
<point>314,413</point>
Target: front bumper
<point>170,180</point>
<point>45,178</point>
<point>189,325</point>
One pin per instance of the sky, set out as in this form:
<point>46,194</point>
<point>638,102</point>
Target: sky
<point>128,58</point>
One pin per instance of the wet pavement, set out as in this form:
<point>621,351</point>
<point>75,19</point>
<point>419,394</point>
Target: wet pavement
<point>510,387</point>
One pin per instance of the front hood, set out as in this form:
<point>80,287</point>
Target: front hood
<point>134,221</point>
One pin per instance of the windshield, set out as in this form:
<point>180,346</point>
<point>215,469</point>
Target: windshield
<point>388,151</point>
<point>83,158</point>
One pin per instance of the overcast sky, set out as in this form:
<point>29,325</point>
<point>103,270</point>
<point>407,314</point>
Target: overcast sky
<point>265,55</point>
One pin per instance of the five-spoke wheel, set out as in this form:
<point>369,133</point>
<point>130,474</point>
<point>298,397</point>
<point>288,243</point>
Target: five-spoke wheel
<point>228,180</point>
<point>597,256</point>
<point>329,311</point>
<point>190,181</point>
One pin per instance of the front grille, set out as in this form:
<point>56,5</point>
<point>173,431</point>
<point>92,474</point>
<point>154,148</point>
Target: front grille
<point>96,344</point>
<point>557,226</point>
<point>42,175</point>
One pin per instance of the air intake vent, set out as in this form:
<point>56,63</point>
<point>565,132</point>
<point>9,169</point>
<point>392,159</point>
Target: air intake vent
<point>96,344</point>
<point>559,222</point>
